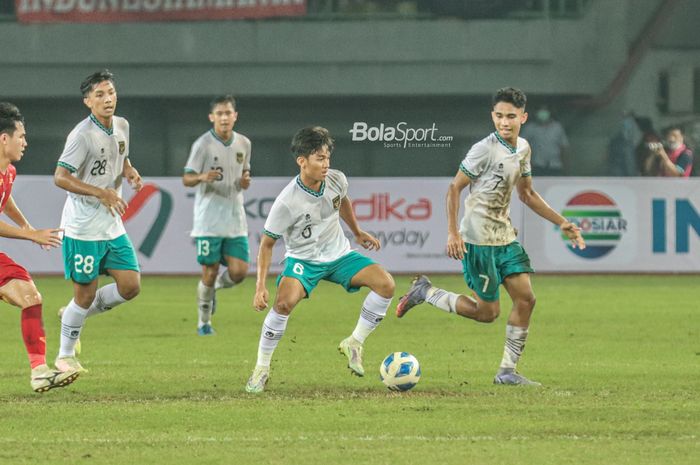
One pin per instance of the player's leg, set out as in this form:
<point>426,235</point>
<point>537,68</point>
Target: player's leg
<point>206,299</point>
<point>209,255</point>
<point>237,256</point>
<point>354,271</point>
<point>72,323</point>
<point>290,292</point>
<point>81,261</point>
<point>516,269</point>
<point>480,274</point>
<point>22,292</point>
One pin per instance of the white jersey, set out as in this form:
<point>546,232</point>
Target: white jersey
<point>494,167</point>
<point>310,221</point>
<point>95,155</point>
<point>219,206</point>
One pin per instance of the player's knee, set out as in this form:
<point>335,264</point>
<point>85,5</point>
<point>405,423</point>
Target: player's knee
<point>488,313</point>
<point>236,276</point>
<point>528,302</point>
<point>284,307</point>
<point>129,291</point>
<point>386,287</point>
<point>31,298</point>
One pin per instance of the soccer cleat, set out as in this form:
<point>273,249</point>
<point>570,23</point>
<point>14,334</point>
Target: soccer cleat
<point>78,346</point>
<point>257,381</point>
<point>510,377</point>
<point>352,349</point>
<point>416,295</point>
<point>68,364</point>
<point>44,378</point>
<point>206,330</point>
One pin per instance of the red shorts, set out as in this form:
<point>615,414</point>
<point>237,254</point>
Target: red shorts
<point>10,270</point>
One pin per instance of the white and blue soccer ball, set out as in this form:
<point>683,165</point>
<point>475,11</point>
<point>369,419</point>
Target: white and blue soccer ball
<point>400,371</point>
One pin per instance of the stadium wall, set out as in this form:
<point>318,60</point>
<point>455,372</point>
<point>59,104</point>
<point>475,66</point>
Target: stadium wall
<point>630,225</point>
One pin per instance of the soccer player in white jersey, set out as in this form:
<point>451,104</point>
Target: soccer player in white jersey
<point>91,168</point>
<point>486,241</point>
<point>307,215</point>
<point>219,165</point>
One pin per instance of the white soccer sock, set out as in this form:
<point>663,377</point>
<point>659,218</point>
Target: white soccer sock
<point>205,297</point>
<point>272,331</point>
<point>372,313</point>
<point>71,324</point>
<point>442,299</point>
<point>515,344</point>
<point>106,298</point>
<point>223,281</point>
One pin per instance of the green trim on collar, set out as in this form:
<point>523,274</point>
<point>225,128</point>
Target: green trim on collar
<point>108,131</point>
<point>223,142</point>
<point>65,165</point>
<point>310,191</point>
<point>510,148</point>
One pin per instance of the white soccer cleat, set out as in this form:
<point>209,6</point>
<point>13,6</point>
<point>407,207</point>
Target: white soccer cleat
<point>68,364</point>
<point>352,349</point>
<point>44,378</point>
<point>258,380</point>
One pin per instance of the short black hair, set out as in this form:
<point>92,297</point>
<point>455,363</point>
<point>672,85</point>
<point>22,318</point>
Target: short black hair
<point>309,140</point>
<point>95,78</point>
<point>511,95</point>
<point>674,127</point>
<point>228,98</point>
<point>9,117</point>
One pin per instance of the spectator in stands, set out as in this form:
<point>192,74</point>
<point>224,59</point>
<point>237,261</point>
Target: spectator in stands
<point>673,157</point>
<point>549,143</point>
<point>646,157</point>
<point>621,148</point>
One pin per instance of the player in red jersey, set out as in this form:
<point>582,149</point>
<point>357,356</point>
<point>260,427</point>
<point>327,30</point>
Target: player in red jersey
<point>16,286</point>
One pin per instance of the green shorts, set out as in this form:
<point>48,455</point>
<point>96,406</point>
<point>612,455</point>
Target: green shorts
<point>486,266</point>
<point>340,271</point>
<point>211,250</point>
<point>83,261</point>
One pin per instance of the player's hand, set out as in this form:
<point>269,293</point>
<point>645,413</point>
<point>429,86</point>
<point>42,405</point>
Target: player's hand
<point>245,180</point>
<point>573,232</point>
<point>455,246</point>
<point>110,199</point>
<point>262,296</point>
<point>133,178</point>
<point>210,176</point>
<point>47,238</point>
<point>368,241</point>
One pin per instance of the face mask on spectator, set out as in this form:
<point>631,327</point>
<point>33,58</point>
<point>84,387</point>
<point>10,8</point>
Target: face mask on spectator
<point>543,116</point>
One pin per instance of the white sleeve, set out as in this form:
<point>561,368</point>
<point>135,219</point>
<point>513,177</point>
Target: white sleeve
<point>246,163</point>
<point>278,220</point>
<point>476,161</point>
<point>74,153</point>
<point>195,162</point>
<point>525,168</point>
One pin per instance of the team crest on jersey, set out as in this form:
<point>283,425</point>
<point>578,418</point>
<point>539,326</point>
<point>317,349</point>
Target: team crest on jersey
<point>336,202</point>
<point>122,147</point>
<point>239,157</point>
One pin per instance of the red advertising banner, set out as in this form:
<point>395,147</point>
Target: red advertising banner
<point>110,11</point>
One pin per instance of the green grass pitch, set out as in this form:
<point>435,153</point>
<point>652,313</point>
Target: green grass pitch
<point>619,357</point>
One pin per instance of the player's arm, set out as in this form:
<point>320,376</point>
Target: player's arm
<point>262,296</point>
<point>108,197</point>
<point>191,179</point>
<point>363,238</point>
<point>45,237</point>
<point>15,214</point>
<point>132,175</point>
<point>244,182</point>
<point>455,244</point>
<point>536,203</point>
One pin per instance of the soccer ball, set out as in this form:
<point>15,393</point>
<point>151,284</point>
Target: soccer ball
<point>400,371</point>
